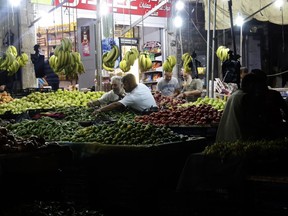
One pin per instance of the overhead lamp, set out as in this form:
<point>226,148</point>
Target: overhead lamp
<point>104,9</point>
<point>15,3</point>
<point>239,20</point>
<point>279,3</point>
<point>120,1</point>
<point>179,5</point>
<point>178,21</point>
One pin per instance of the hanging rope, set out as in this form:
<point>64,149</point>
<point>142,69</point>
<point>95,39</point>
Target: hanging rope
<point>112,20</point>
<point>283,35</point>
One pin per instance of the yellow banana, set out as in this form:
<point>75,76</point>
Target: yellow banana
<point>184,56</point>
<point>107,68</point>
<point>104,57</point>
<point>57,49</point>
<point>111,55</point>
<point>148,63</point>
<point>117,53</point>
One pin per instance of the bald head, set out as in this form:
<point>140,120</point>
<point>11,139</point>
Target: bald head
<point>129,82</point>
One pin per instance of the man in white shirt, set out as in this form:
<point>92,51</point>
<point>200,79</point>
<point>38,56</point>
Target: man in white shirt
<point>168,85</point>
<point>116,94</point>
<point>138,97</point>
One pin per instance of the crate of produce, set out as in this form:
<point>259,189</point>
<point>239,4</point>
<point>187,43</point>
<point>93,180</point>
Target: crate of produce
<point>133,177</point>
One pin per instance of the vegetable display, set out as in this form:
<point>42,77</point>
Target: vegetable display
<point>46,127</point>
<point>126,133</point>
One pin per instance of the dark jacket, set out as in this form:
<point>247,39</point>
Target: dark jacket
<point>51,77</point>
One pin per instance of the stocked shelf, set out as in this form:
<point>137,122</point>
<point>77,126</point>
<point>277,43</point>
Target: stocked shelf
<point>153,71</point>
<point>151,82</point>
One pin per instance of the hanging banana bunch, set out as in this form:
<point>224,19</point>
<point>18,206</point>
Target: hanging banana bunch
<point>129,59</point>
<point>169,64</point>
<point>109,58</point>
<point>65,61</point>
<point>223,53</point>
<point>187,60</point>
<point>144,61</point>
<point>11,61</point>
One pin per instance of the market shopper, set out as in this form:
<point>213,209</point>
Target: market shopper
<point>192,87</point>
<point>168,85</point>
<point>138,97</point>
<point>239,120</point>
<point>253,112</point>
<point>271,106</point>
<point>116,94</point>
<point>243,72</point>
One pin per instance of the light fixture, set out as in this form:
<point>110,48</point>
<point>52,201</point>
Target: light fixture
<point>120,1</point>
<point>104,9</point>
<point>179,5</point>
<point>279,3</point>
<point>239,20</point>
<point>15,3</point>
<point>178,21</point>
<point>45,18</point>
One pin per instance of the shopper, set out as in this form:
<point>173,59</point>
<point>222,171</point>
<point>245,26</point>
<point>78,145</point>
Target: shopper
<point>192,87</point>
<point>6,81</point>
<point>138,97</point>
<point>116,94</point>
<point>272,108</point>
<point>239,120</point>
<point>243,72</point>
<point>168,85</point>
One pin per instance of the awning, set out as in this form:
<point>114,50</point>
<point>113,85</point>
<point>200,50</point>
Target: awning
<point>246,8</point>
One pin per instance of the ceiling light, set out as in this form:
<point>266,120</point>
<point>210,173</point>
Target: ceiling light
<point>179,5</point>
<point>178,21</point>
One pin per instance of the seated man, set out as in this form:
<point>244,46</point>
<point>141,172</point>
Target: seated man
<point>138,97</point>
<point>116,94</point>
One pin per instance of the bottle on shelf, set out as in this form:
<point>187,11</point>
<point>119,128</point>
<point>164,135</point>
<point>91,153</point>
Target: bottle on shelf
<point>85,45</point>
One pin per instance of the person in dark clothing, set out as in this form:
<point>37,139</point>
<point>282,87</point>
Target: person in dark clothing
<point>272,108</point>
<point>50,76</point>
<point>6,81</point>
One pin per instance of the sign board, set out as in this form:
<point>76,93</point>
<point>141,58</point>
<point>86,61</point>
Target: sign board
<point>135,7</point>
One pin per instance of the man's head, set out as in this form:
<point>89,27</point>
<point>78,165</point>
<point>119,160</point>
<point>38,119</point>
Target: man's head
<point>116,84</point>
<point>167,76</point>
<point>186,74</point>
<point>243,71</point>
<point>36,48</point>
<point>129,82</point>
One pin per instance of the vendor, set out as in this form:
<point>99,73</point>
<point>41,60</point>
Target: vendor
<point>168,85</point>
<point>138,97</point>
<point>116,94</point>
<point>192,87</point>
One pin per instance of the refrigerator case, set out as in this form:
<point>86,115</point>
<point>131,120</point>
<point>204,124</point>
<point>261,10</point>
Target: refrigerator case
<point>86,46</point>
<point>125,44</point>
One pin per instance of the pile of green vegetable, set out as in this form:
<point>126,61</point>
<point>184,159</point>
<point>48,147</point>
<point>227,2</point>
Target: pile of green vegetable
<point>249,149</point>
<point>46,127</point>
<point>126,133</point>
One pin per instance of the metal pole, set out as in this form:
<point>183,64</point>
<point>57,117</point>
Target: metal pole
<point>241,45</point>
<point>98,44</point>
<point>232,26</point>
<point>181,42</point>
<point>208,51</point>
<point>213,50</point>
